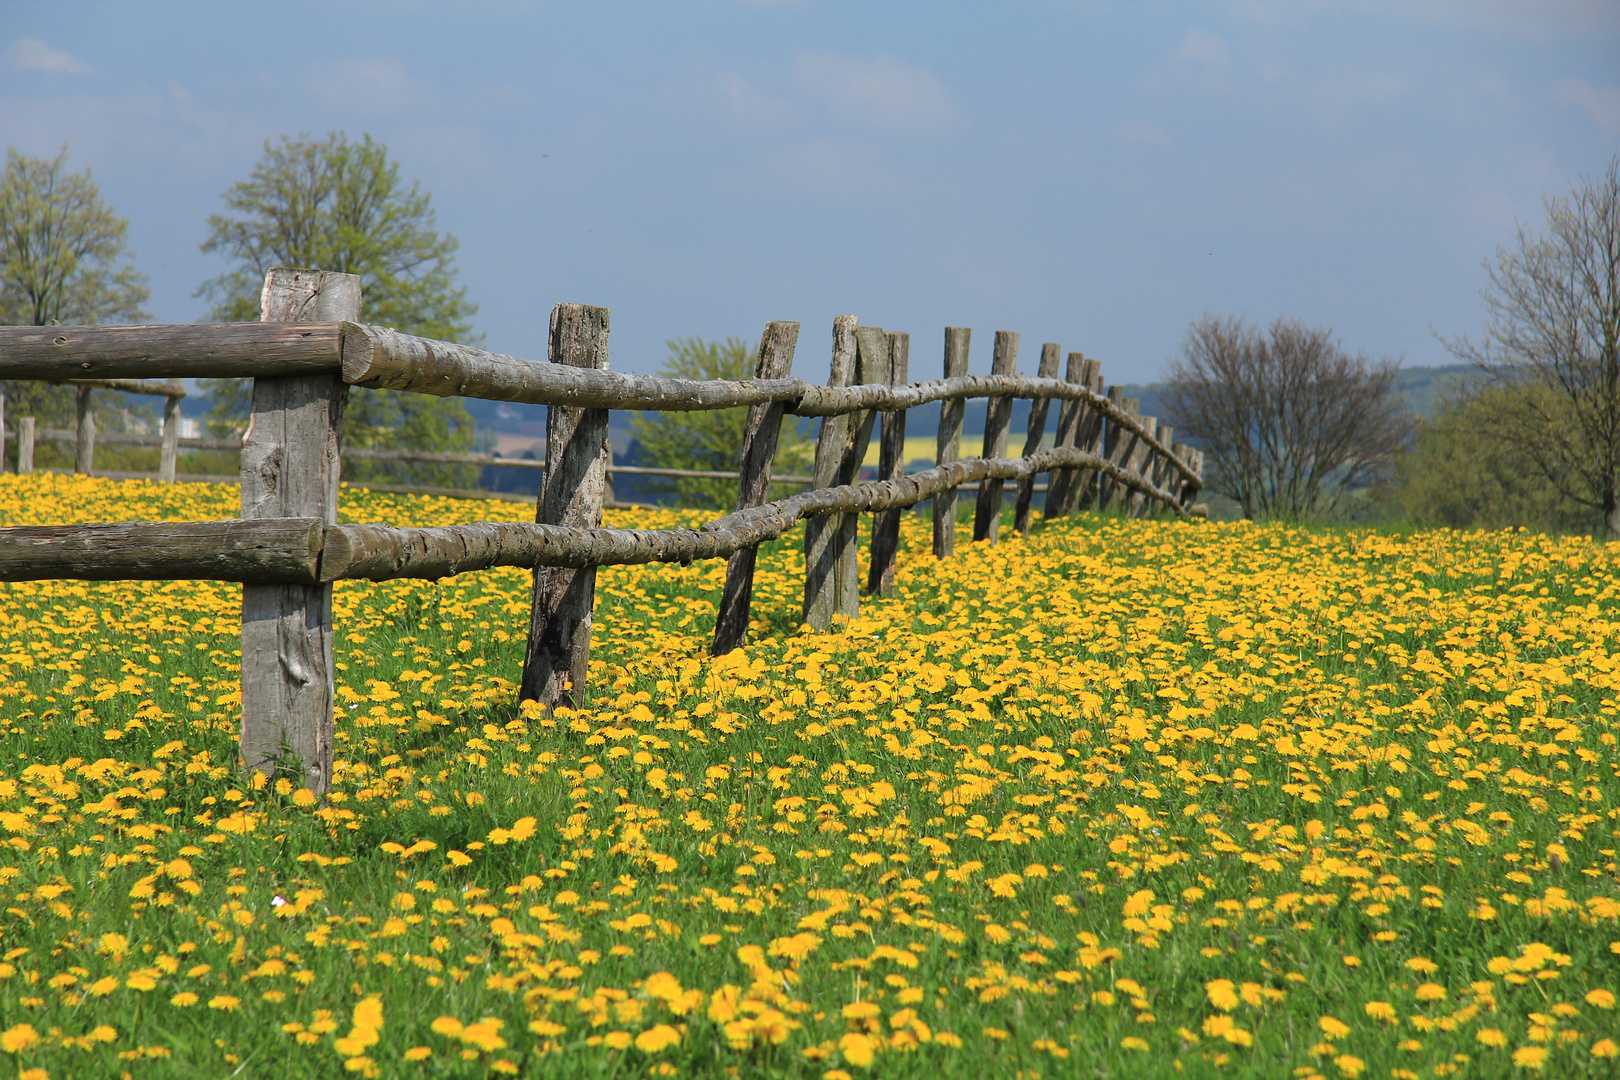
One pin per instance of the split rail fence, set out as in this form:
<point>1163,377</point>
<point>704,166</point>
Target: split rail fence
<point>288,548</point>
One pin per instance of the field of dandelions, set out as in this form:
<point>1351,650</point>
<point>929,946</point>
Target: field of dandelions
<point>1139,798</point>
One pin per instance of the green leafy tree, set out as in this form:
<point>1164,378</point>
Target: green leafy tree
<point>339,204</point>
<point>1461,473</point>
<point>62,260</point>
<point>710,441</point>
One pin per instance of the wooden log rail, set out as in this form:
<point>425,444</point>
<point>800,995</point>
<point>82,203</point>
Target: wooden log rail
<point>303,551</point>
<point>377,357</point>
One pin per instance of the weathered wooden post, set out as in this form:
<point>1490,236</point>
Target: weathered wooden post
<point>2,433</point>
<point>950,440</point>
<point>171,433</point>
<point>1093,429</point>
<point>997,418</point>
<point>1140,462</point>
<point>1038,409</point>
<point>891,466</point>
<point>871,365</point>
<point>1164,474</point>
<point>25,445</point>
<point>1063,491</point>
<point>84,443</point>
<point>571,488</point>
<point>291,461</point>
<point>1119,444</point>
<point>1189,488</point>
<point>821,533</point>
<point>760,433</point>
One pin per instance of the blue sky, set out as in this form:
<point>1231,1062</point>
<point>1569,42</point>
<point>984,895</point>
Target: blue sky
<point>1088,173</point>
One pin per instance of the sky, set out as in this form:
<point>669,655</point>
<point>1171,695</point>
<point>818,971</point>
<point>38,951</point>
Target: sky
<point>1094,174</point>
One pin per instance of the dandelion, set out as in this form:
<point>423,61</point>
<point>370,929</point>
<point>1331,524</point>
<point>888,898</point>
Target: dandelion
<point>1491,1037</point>
<point>183,998</point>
<point>1600,998</point>
<point>16,1039</point>
<point>224,1002</point>
<point>1530,1057</point>
<point>1333,1028</point>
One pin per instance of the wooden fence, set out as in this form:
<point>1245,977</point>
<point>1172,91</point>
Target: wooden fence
<point>288,548</point>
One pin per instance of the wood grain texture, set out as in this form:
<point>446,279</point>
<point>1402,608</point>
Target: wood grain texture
<point>1064,488</point>
<point>571,490</point>
<point>891,466</point>
<point>272,550</point>
<point>997,417</point>
<point>1141,463</point>
<point>948,447</point>
<point>290,468</point>
<point>760,431</point>
<point>169,388</point>
<point>1032,442</point>
<point>821,534</point>
<point>25,445</point>
<point>84,448</point>
<point>170,451</point>
<point>184,350</point>
<point>381,553</point>
<point>871,362</point>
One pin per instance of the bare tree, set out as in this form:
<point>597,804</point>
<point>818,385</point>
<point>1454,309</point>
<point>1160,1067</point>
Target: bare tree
<point>1553,337</point>
<point>1289,422</point>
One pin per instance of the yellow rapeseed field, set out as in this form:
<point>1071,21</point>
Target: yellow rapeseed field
<point>1122,798</point>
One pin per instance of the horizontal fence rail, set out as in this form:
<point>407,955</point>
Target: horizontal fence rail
<point>303,551</point>
<point>379,358</point>
<point>288,547</point>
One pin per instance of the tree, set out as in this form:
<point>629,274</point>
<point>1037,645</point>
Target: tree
<point>1458,473</point>
<point>338,204</point>
<point>62,259</point>
<point>1289,422</point>
<point>1552,339</point>
<point>709,441</point>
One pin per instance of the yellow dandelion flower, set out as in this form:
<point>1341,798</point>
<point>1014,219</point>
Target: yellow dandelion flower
<point>1222,994</point>
<point>19,1038</point>
<point>1333,1027</point>
<point>1491,1037</point>
<point>183,998</point>
<point>1602,999</point>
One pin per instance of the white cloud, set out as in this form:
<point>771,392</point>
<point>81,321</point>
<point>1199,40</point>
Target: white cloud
<point>1135,130</point>
<point>378,86</point>
<point>882,92</point>
<point>1202,58</point>
<point>32,54</point>
<point>743,107</point>
<point>1601,104</point>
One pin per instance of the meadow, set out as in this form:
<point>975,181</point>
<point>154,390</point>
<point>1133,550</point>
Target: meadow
<point>1140,798</point>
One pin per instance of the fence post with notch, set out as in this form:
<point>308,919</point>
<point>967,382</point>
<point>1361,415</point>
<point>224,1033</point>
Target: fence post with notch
<point>1038,409</point>
<point>571,489</point>
<point>949,449</point>
<point>821,532</point>
<point>760,433</point>
<point>997,418</point>
<point>871,365</point>
<point>291,460</point>
<point>891,466</point>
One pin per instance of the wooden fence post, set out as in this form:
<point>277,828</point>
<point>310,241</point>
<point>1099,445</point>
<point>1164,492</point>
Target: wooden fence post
<point>291,458</point>
<point>171,437</point>
<point>1164,476</point>
<point>760,433</point>
<point>25,445</point>
<point>871,365</point>
<point>2,433</point>
<point>1093,429</point>
<point>1140,462</point>
<point>571,487</point>
<point>84,446</point>
<point>1038,408</point>
<point>1116,446</point>
<point>997,417</point>
<point>1189,490</point>
<point>821,532</point>
<point>1063,493</point>
<point>891,466</point>
<point>950,440</point>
